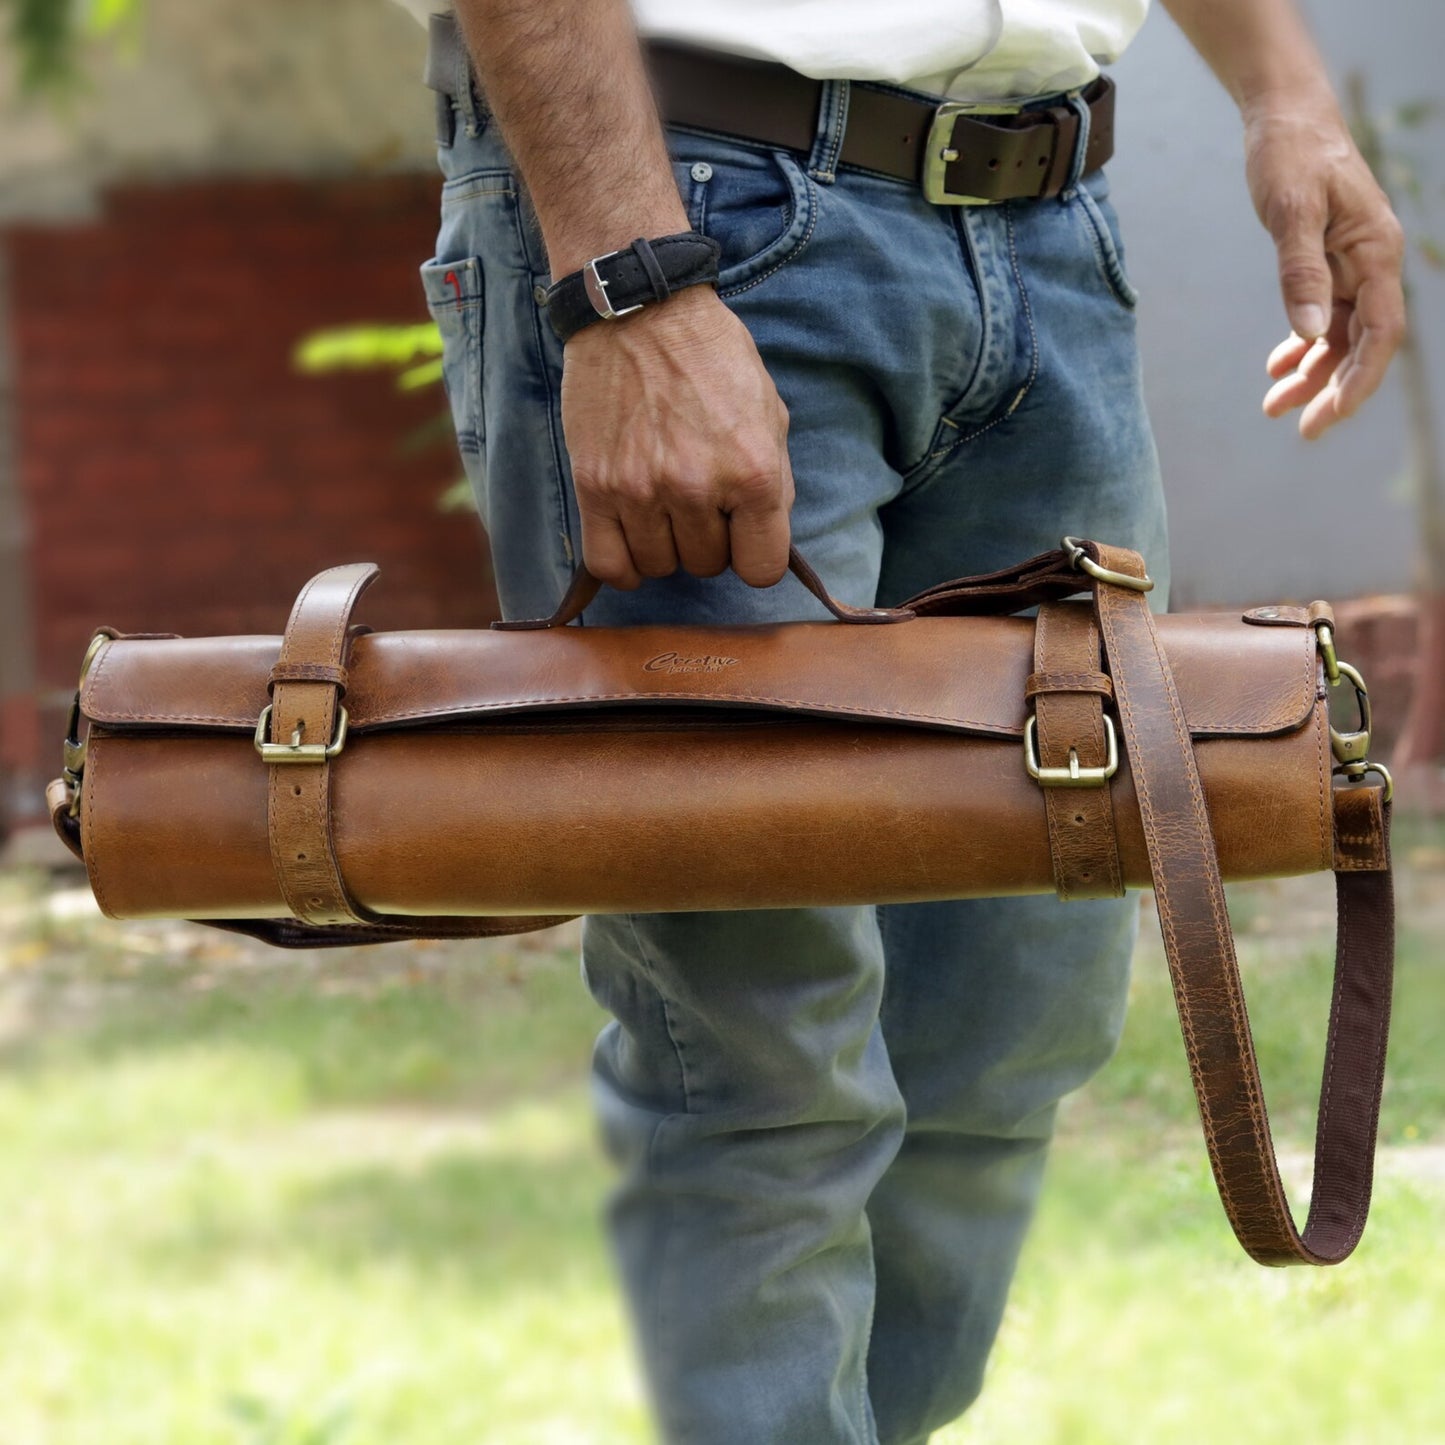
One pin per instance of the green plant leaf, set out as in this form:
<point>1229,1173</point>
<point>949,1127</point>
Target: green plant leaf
<point>1415,113</point>
<point>457,497</point>
<point>418,376</point>
<point>366,347</point>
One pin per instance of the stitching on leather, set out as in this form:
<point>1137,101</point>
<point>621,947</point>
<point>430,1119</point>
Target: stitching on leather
<point>1327,831</point>
<point>92,854</point>
<point>1233,985</point>
<point>333,888</point>
<point>1336,999</point>
<point>536,704</point>
<point>1230,972</point>
<point>1166,922</point>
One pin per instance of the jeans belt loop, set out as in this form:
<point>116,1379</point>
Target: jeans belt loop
<point>832,127</point>
<point>1081,145</point>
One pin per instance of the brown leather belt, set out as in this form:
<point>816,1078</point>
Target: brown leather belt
<point>959,152</point>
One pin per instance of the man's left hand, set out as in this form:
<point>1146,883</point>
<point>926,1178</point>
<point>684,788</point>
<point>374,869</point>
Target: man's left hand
<point>1340,255</point>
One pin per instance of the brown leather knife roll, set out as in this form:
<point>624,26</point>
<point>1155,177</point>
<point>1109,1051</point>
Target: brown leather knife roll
<point>340,786</point>
<point>577,770</point>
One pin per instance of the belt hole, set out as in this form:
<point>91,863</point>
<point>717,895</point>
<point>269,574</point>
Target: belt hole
<point>300,857</point>
<point>297,790</point>
<point>993,163</point>
<point>1078,817</point>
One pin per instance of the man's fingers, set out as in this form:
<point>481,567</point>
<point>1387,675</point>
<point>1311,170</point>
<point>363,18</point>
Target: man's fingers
<point>701,536</point>
<point>759,531</point>
<point>1298,228</point>
<point>1315,369</point>
<point>1379,327</point>
<point>649,538</point>
<point>605,551</point>
<point>1287,355</point>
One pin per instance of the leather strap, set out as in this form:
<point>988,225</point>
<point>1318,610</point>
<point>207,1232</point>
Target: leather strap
<point>306,687</point>
<point>645,273</point>
<point>1069,718</point>
<point>584,587</point>
<point>1199,944</point>
<point>999,157</point>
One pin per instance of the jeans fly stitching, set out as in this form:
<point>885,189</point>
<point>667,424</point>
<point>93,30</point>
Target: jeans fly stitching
<point>1028,311</point>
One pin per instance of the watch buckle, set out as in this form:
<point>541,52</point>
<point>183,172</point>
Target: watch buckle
<point>596,289</point>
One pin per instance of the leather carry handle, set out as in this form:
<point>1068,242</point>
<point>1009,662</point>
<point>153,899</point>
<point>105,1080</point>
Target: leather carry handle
<point>584,587</point>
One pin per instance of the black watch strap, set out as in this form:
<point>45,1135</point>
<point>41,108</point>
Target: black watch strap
<point>622,281</point>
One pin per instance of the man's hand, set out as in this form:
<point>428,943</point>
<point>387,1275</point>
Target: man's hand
<point>678,441</point>
<point>1340,253</point>
<point>1340,247</point>
<point>676,434</point>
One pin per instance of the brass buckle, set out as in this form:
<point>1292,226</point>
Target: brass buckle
<point>939,154</point>
<point>1080,561</point>
<point>296,751</point>
<point>1072,776</point>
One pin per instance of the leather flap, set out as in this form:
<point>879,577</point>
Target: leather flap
<point>963,674</point>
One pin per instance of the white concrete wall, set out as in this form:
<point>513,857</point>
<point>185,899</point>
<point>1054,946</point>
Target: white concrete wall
<point>258,86</point>
<point>1255,511</point>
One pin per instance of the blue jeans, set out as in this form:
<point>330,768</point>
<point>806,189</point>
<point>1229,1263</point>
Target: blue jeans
<point>832,1123</point>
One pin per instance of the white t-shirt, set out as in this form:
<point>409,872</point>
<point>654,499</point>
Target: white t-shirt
<point>969,49</point>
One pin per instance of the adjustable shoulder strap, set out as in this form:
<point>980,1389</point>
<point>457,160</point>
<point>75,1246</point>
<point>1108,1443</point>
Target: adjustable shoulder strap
<point>1199,944</point>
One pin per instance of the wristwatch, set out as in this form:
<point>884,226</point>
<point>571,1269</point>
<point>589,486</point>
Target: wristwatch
<point>621,282</point>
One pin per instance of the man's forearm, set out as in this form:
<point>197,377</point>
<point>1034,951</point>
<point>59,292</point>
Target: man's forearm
<point>566,83</point>
<point>1259,49</point>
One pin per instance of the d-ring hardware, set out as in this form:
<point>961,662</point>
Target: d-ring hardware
<point>1082,562</point>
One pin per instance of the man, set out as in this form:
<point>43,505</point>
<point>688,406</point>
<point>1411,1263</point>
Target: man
<point>833,1122</point>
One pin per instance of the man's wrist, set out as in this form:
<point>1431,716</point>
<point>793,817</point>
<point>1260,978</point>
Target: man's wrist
<point>1297,97</point>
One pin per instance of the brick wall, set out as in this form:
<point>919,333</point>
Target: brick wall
<point>176,474</point>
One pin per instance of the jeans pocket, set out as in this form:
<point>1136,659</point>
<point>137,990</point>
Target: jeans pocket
<point>455,296</point>
<point>1103,223</point>
<point>758,204</point>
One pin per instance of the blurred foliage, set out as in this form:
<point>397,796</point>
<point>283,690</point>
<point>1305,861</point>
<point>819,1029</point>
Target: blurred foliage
<point>46,34</point>
<point>1406,162</point>
<point>413,353</point>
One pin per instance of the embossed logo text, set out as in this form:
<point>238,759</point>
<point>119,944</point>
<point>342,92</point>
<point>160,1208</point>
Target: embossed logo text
<point>675,662</point>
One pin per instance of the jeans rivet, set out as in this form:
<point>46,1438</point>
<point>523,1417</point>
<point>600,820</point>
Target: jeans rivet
<point>701,171</point>
<point>539,295</point>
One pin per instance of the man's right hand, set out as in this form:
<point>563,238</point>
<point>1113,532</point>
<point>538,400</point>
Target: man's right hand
<point>678,443</point>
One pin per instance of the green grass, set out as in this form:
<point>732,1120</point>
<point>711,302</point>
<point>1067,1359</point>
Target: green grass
<point>261,1199</point>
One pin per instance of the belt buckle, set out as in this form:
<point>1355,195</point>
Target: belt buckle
<point>939,154</point>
